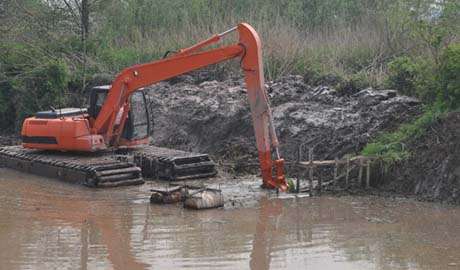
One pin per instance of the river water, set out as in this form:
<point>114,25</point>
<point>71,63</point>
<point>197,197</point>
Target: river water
<point>46,224</point>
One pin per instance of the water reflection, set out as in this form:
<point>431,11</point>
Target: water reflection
<point>56,219</point>
<point>266,228</point>
<point>46,224</point>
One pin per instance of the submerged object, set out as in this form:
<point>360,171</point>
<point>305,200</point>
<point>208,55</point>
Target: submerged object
<point>173,195</point>
<point>205,199</point>
<point>193,197</point>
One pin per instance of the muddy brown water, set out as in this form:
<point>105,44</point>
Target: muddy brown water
<point>46,224</point>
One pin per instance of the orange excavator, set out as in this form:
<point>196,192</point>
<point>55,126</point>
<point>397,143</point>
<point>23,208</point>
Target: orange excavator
<point>112,125</point>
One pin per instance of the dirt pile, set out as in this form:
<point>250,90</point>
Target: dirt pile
<point>214,117</point>
<point>433,170</point>
<point>9,140</point>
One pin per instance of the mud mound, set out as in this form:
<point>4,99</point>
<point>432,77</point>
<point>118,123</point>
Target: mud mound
<point>433,170</point>
<point>214,117</point>
<point>9,140</point>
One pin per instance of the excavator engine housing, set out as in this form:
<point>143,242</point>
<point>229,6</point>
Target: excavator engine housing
<point>69,128</point>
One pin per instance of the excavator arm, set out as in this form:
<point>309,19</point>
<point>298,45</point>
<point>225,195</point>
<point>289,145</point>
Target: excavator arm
<point>135,77</point>
<point>186,60</point>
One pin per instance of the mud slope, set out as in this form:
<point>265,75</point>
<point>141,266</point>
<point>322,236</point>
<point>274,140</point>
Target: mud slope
<point>214,117</point>
<point>9,140</point>
<point>433,170</point>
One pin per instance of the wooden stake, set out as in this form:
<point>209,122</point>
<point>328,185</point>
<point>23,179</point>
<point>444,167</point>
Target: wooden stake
<point>347,173</point>
<point>360,175</point>
<point>320,181</point>
<point>368,176</point>
<point>310,157</point>
<point>335,172</point>
<point>299,158</point>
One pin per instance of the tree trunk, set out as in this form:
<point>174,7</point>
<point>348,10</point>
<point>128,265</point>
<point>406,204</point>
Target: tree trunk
<point>84,19</point>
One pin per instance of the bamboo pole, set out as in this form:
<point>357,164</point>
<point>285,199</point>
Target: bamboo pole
<point>326,162</point>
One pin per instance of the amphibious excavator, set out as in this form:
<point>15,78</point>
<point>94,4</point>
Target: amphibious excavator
<point>94,145</point>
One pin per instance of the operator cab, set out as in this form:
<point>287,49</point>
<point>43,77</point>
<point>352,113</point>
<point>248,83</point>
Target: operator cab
<point>139,123</point>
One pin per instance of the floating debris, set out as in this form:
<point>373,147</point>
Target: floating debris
<point>193,197</point>
<point>205,199</point>
<point>379,220</point>
<point>174,195</point>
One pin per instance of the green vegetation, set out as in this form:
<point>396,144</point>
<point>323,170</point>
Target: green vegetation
<point>438,85</point>
<point>433,76</point>
<point>50,51</point>
<point>449,78</point>
<point>291,185</point>
<point>391,147</point>
<point>434,82</point>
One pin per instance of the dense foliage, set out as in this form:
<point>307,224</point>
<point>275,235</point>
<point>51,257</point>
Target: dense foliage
<point>433,76</point>
<point>52,50</point>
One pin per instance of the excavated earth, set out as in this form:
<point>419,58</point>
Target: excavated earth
<point>433,170</point>
<point>214,117</point>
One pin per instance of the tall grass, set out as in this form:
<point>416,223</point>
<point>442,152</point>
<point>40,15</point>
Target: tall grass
<point>292,41</point>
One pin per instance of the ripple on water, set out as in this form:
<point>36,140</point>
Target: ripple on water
<point>46,224</point>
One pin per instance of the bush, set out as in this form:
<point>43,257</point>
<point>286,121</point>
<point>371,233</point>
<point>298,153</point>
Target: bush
<point>46,86</point>
<point>427,80</point>
<point>437,85</point>
<point>403,72</point>
<point>354,84</point>
<point>7,106</point>
<point>315,77</point>
<point>356,59</point>
<point>31,89</point>
<point>449,78</point>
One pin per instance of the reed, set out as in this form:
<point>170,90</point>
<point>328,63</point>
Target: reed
<point>288,49</point>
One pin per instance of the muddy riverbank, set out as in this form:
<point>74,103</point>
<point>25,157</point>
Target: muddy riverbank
<point>432,172</point>
<point>213,117</point>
